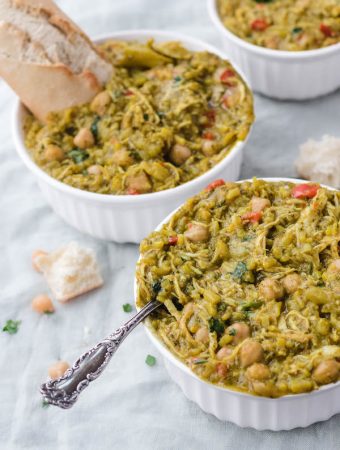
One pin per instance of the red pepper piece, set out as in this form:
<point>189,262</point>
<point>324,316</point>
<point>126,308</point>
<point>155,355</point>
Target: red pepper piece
<point>259,25</point>
<point>226,75</point>
<point>173,240</point>
<point>252,217</point>
<point>305,190</point>
<point>132,191</point>
<point>213,185</point>
<point>208,135</point>
<point>326,30</point>
<point>128,93</point>
<point>211,114</point>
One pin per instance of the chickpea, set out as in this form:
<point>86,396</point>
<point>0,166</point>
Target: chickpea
<point>58,369</point>
<point>95,169</point>
<point>298,385</point>
<point>326,372</point>
<point>317,295</point>
<point>122,158</point>
<point>250,353</point>
<point>197,233</point>
<point>258,371</point>
<point>202,335</point>
<point>54,153</point>
<point>208,147</point>
<point>35,255</point>
<point>323,326</point>
<point>139,182</point>
<point>292,282</point>
<point>188,308</point>
<point>263,388</point>
<point>179,154</point>
<point>272,42</point>
<point>223,353</point>
<point>84,138</point>
<point>334,267</point>
<point>231,97</point>
<point>222,370</point>
<point>258,204</point>
<point>42,304</point>
<point>100,103</point>
<point>240,331</point>
<point>271,289</point>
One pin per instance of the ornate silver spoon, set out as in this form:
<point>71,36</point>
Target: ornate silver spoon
<point>64,391</point>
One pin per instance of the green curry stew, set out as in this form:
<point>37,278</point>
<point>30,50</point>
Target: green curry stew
<point>166,116</point>
<point>292,25</point>
<point>249,275</point>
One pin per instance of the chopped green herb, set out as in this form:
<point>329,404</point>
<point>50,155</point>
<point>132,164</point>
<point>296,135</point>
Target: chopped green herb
<point>11,326</point>
<point>45,404</point>
<point>177,78</point>
<point>116,94</point>
<point>146,116</point>
<point>232,332</point>
<point>48,312</point>
<point>135,155</point>
<point>199,361</point>
<point>307,267</point>
<point>240,270</point>
<point>70,130</point>
<point>127,307</point>
<point>247,238</point>
<point>78,155</point>
<point>94,127</point>
<point>156,287</point>
<point>263,1</point>
<point>251,305</point>
<point>216,325</point>
<point>150,360</point>
<point>297,30</point>
<point>160,114</point>
<point>85,172</point>
<point>221,307</point>
<point>177,304</point>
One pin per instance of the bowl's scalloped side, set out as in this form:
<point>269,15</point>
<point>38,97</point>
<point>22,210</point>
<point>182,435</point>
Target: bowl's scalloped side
<point>244,409</point>
<point>281,74</point>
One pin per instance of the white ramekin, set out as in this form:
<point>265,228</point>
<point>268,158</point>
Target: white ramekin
<point>281,74</point>
<point>246,410</point>
<point>126,218</point>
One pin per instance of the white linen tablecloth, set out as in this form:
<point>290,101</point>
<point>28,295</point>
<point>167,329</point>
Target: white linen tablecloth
<point>132,406</point>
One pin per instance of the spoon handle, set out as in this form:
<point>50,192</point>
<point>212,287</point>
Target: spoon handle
<point>64,391</point>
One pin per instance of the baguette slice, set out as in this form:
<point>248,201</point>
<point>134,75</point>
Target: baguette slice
<point>46,59</point>
<point>70,271</point>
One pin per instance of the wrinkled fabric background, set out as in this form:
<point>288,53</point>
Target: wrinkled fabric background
<point>132,406</point>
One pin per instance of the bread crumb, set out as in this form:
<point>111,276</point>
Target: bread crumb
<point>70,271</point>
<point>58,369</point>
<point>42,304</point>
<point>36,254</point>
<point>320,161</point>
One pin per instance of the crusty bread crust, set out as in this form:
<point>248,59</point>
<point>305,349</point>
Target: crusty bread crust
<point>48,88</point>
<point>74,294</point>
<point>46,59</point>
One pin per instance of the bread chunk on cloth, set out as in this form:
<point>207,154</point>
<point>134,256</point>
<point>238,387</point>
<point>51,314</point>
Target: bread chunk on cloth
<point>70,271</point>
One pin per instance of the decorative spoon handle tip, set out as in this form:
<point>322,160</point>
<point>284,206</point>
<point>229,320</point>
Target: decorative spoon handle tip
<point>64,391</point>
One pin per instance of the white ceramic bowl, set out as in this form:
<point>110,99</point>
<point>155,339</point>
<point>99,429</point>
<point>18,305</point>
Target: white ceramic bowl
<point>126,218</point>
<point>281,74</point>
<point>246,410</point>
